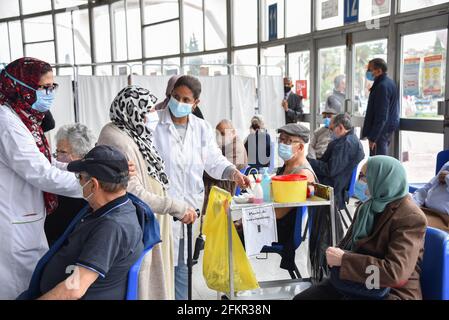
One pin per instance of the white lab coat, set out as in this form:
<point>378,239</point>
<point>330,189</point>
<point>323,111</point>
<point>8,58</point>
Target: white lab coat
<point>186,161</point>
<point>24,174</point>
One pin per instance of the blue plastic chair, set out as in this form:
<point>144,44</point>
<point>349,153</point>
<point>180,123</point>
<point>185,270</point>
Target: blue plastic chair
<point>133,278</point>
<point>435,265</point>
<point>297,240</point>
<point>442,159</point>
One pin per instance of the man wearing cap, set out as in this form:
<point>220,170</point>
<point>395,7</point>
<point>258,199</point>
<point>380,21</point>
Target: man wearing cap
<point>292,103</point>
<point>108,239</point>
<point>322,136</point>
<point>292,140</point>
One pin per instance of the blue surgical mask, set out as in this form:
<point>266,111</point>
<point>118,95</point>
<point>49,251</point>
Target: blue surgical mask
<point>179,109</point>
<point>327,122</point>
<point>361,191</point>
<point>370,76</point>
<point>43,101</point>
<point>285,152</point>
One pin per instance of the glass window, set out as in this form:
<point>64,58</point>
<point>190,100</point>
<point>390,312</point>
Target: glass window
<point>166,36</point>
<point>371,9</point>
<point>33,6</point>
<point>103,71</point>
<point>423,73</point>
<point>172,66</point>
<point>44,51</point>
<point>410,5</point>
<point>153,68</point>
<point>69,3</point>
<point>329,14</point>
<point>246,57</point>
<point>102,34</point>
<point>9,9</point>
<point>65,38</point>
<point>245,22</point>
<point>38,29</point>
<point>160,10</point>
<point>215,24</point>
<point>15,40</point>
<point>4,38</point>
<point>418,150</point>
<point>134,29</point>
<point>82,37</point>
<point>206,65</point>
<point>193,25</point>
<point>331,67</point>
<point>298,23</point>
<point>119,31</point>
<point>299,69</point>
<point>274,60</point>
<point>265,18</point>
<point>364,53</point>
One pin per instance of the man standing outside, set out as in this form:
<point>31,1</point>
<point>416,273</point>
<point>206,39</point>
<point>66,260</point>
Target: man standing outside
<point>382,115</point>
<point>292,103</point>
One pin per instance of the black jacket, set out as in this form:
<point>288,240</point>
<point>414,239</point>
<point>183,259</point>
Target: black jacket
<point>295,108</point>
<point>382,114</point>
<point>337,164</point>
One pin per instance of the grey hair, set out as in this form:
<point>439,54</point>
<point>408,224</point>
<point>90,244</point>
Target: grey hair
<point>338,80</point>
<point>226,122</point>
<point>343,119</point>
<point>111,187</point>
<point>81,139</point>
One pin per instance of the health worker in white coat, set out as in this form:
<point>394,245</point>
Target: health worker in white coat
<point>28,180</point>
<point>188,146</point>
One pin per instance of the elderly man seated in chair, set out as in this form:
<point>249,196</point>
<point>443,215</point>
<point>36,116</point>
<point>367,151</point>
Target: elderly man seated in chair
<point>105,243</point>
<point>433,199</point>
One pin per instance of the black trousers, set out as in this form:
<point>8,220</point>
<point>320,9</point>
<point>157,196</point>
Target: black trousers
<point>322,291</point>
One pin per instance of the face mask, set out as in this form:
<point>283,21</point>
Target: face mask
<point>287,89</point>
<point>89,196</point>
<point>65,158</point>
<point>327,122</point>
<point>370,76</point>
<point>361,191</point>
<point>178,109</point>
<point>152,119</point>
<point>285,152</point>
<point>43,101</point>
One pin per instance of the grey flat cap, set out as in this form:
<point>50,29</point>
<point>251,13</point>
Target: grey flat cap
<point>296,130</point>
<point>330,110</point>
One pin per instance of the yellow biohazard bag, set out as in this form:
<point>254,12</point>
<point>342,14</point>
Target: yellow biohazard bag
<point>216,252</point>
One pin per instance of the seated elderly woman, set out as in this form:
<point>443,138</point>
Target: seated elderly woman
<point>105,243</point>
<point>383,248</point>
<point>433,199</point>
<point>73,142</point>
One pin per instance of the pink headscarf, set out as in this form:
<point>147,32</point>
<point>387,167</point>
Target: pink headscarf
<point>170,87</point>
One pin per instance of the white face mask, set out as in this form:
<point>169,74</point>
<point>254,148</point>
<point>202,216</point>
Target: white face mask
<point>90,195</point>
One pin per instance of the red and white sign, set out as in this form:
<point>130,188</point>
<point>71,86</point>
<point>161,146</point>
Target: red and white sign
<point>301,88</point>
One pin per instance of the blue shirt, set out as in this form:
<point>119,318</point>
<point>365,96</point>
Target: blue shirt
<point>434,195</point>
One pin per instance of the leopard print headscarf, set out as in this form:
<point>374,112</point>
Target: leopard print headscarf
<point>128,112</point>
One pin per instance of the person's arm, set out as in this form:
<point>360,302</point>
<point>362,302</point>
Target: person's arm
<point>420,195</point>
<point>295,107</point>
<point>23,157</point>
<point>395,269</point>
<point>381,103</point>
<point>74,287</point>
<point>312,145</point>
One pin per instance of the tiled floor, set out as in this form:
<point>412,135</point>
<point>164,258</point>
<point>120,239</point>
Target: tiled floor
<point>265,270</point>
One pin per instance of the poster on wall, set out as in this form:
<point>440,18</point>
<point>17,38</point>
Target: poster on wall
<point>329,9</point>
<point>380,7</point>
<point>433,76</point>
<point>411,76</point>
<point>301,88</point>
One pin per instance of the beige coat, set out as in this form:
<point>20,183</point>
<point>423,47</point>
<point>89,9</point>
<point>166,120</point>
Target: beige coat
<point>157,273</point>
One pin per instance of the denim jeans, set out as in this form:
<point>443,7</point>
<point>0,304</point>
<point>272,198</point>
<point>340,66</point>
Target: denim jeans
<point>181,275</point>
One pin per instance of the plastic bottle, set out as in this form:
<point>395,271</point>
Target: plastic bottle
<point>258,192</point>
<point>266,186</point>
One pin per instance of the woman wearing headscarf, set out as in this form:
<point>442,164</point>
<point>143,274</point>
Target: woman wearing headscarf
<point>28,181</point>
<point>383,248</point>
<point>128,132</point>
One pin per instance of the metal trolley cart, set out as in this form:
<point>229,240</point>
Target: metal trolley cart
<point>280,289</point>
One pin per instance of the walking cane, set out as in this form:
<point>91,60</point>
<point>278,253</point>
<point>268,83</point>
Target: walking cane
<point>189,256</point>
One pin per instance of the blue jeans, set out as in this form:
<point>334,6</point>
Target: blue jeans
<point>181,275</point>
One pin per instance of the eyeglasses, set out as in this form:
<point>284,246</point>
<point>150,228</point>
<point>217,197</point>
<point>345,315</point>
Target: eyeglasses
<point>287,141</point>
<point>59,152</point>
<point>79,176</point>
<point>50,88</point>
